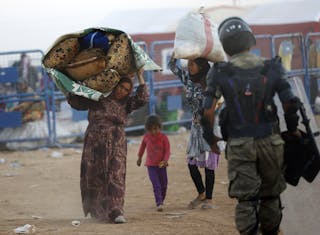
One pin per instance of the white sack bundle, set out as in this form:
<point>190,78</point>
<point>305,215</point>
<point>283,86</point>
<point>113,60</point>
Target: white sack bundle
<point>197,36</point>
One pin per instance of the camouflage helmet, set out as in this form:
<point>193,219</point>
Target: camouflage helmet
<point>235,35</point>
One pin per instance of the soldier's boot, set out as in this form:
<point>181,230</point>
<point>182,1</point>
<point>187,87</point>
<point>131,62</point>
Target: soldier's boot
<point>248,228</point>
<point>254,231</point>
<point>274,231</point>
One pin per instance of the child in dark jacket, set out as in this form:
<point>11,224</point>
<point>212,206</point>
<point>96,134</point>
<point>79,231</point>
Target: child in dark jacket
<point>158,152</point>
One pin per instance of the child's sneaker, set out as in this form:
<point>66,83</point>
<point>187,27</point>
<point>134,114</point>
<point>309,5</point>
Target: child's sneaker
<point>120,219</point>
<point>160,208</point>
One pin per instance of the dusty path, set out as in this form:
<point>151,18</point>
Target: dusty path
<point>42,190</point>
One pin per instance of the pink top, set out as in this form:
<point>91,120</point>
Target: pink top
<point>158,148</point>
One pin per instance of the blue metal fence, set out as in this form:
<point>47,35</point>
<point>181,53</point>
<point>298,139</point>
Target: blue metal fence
<point>300,49</point>
<point>10,76</point>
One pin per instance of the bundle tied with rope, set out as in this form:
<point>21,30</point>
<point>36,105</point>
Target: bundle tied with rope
<point>197,36</point>
<point>90,63</point>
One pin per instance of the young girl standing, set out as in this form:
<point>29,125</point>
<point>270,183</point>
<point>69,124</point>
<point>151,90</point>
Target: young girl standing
<point>199,153</point>
<point>158,152</point>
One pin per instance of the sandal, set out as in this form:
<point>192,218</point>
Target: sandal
<point>197,201</point>
<point>207,205</point>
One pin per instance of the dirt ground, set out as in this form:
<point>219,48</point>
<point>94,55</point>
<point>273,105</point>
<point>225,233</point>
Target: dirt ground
<point>41,188</point>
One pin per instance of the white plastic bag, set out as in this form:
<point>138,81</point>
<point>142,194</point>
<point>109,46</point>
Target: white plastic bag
<point>197,36</point>
<point>27,228</point>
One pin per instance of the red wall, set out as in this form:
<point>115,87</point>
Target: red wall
<point>257,29</point>
<point>303,28</point>
<point>148,38</point>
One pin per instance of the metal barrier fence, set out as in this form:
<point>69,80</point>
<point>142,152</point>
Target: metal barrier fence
<point>65,126</point>
<point>312,70</point>
<point>24,97</point>
<point>292,50</point>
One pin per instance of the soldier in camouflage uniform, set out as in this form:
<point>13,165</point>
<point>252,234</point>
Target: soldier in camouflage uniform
<point>250,126</point>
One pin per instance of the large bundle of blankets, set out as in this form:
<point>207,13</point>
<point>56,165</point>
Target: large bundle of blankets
<point>91,62</point>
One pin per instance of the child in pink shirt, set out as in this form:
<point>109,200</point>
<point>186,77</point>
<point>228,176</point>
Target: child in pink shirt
<point>158,152</point>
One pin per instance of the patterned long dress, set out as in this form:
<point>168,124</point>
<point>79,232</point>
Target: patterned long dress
<point>198,151</point>
<point>103,164</point>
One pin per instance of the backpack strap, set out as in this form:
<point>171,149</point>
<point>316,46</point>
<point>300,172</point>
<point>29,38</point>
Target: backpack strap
<point>272,70</point>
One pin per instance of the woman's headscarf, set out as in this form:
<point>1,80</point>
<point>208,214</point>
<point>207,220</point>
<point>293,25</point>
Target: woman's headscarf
<point>128,80</point>
<point>204,67</point>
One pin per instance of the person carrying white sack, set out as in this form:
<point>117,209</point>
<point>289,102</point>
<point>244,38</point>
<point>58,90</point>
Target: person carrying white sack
<point>199,153</point>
